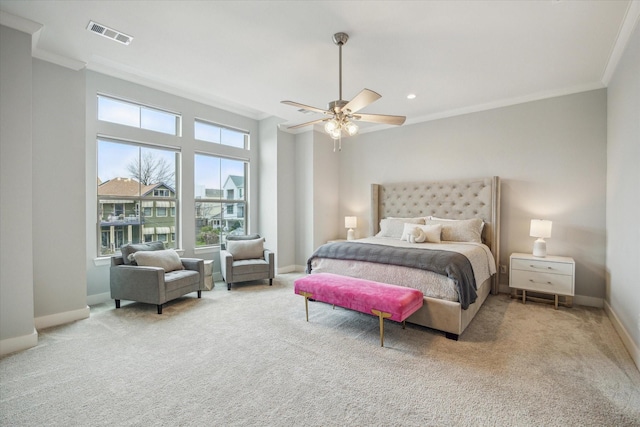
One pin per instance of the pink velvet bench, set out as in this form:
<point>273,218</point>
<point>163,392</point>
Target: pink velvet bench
<point>366,296</point>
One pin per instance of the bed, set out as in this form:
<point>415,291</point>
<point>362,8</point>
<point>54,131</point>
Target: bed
<point>464,214</point>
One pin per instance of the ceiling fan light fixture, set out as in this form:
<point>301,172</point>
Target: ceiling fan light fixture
<point>351,128</point>
<point>331,126</point>
<point>336,133</point>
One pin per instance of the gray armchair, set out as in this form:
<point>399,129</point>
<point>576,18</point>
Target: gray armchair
<point>153,278</point>
<point>244,258</point>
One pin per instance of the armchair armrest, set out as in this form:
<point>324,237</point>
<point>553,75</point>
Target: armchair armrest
<point>149,283</point>
<point>269,256</point>
<point>226,265</point>
<point>195,264</point>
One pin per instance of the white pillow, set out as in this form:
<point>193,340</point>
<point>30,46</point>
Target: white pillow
<point>246,249</point>
<point>431,232</point>
<point>463,230</point>
<point>393,227</point>
<point>167,259</point>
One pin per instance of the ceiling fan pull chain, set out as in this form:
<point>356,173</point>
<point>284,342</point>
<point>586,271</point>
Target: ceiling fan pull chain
<point>334,145</point>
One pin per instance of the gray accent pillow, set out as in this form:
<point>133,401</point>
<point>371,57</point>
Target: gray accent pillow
<point>246,249</point>
<point>168,259</point>
<point>247,237</point>
<point>130,249</point>
<point>234,237</point>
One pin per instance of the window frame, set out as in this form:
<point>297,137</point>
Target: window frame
<point>141,107</point>
<point>138,201</point>
<point>223,201</point>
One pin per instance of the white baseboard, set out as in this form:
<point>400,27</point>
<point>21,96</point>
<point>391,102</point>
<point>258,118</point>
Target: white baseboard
<point>44,322</point>
<point>287,269</point>
<point>632,347</point>
<point>98,298</point>
<point>11,345</point>
<point>577,299</point>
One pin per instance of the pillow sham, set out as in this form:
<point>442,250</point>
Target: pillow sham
<point>448,219</point>
<point>431,232</point>
<point>463,230</point>
<point>167,259</point>
<point>246,249</point>
<point>393,227</point>
<point>129,249</point>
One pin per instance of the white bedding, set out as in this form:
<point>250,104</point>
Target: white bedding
<point>429,283</point>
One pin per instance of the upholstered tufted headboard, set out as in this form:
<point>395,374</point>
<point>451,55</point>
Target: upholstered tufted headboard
<point>453,199</point>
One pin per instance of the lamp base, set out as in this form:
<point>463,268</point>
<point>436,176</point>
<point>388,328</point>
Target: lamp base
<point>350,234</point>
<point>540,248</point>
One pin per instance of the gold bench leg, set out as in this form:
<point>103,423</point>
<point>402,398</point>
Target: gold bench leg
<point>306,296</point>
<point>381,315</point>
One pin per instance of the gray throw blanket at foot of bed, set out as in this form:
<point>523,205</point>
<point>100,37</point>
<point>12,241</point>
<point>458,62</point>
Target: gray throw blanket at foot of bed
<point>454,265</point>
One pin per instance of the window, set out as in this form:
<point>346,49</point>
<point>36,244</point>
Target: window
<point>217,215</point>
<point>136,192</point>
<point>217,134</point>
<point>136,115</point>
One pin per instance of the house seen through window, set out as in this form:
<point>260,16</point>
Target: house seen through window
<point>220,204</point>
<point>137,197</point>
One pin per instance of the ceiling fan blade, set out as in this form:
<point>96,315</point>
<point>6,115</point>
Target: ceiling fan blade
<point>361,100</point>
<point>380,118</point>
<point>306,107</point>
<point>313,122</point>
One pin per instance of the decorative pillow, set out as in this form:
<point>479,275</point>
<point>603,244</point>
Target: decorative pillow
<point>246,249</point>
<point>464,230</point>
<point>447,219</point>
<point>129,249</point>
<point>431,233</point>
<point>244,237</point>
<point>393,227</point>
<point>168,259</point>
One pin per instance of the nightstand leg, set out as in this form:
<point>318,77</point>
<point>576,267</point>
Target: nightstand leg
<point>556,301</point>
<point>524,296</point>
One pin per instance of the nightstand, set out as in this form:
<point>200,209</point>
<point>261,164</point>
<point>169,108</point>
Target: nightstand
<point>553,275</point>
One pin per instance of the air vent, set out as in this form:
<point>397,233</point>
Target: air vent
<point>109,33</point>
<point>303,111</point>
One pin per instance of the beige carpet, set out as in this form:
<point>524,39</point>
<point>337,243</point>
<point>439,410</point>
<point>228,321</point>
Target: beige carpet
<point>247,357</point>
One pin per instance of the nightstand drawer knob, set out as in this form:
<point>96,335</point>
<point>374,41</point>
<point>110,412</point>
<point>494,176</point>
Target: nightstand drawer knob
<point>540,268</point>
<point>541,283</point>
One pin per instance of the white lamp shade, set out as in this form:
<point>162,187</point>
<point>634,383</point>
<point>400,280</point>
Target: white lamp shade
<point>540,228</point>
<point>350,222</point>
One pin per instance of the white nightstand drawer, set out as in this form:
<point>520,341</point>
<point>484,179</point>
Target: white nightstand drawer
<point>559,284</point>
<point>541,266</point>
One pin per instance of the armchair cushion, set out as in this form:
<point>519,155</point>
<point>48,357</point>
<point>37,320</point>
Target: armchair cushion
<point>167,259</point>
<point>246,249</point>
<point>130,249</point>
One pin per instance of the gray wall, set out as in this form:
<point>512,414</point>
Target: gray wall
<point>550,155</point>
<point>623,195</point>
<point>16,181</point>
<point>59,200</point>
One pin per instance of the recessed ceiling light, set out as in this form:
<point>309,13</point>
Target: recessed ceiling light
<point>411,96</point>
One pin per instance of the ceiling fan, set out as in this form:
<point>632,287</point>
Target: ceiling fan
<point>341,114</point>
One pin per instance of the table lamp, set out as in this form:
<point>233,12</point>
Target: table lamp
<point>350,222</point>
<point>541,229</point>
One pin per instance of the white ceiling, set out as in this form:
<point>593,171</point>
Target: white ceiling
<point>247,56</point>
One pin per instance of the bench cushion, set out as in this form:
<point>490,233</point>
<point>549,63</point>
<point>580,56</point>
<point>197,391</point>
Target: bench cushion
<point>361,295</point>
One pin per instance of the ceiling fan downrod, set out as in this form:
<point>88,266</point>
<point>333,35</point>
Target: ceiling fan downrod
<point>340,39</point>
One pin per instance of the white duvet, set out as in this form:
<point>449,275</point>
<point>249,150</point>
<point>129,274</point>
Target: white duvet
<point>429,283</point>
